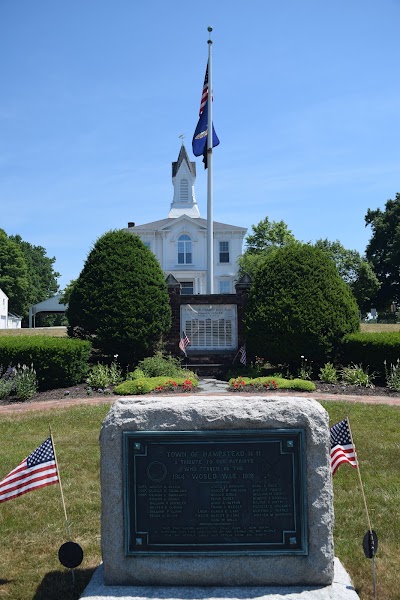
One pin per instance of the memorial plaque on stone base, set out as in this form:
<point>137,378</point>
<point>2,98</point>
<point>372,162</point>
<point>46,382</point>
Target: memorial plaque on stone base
<point>215,492</point>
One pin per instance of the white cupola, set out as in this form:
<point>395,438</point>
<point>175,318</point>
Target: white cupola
<point>183,178</point>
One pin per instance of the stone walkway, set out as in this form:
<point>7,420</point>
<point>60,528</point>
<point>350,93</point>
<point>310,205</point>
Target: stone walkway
<point>207,386</point>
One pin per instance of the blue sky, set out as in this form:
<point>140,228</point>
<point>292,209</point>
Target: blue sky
<point>94,95</point>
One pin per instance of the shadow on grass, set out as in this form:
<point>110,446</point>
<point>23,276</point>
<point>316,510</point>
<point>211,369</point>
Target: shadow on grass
<point>61,584</point>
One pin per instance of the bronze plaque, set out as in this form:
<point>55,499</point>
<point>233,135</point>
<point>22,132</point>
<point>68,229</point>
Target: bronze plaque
<point>215,492</point>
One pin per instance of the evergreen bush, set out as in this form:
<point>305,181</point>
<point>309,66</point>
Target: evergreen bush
<point>58,362</point>
<point>298,306</point>
<point>120,300</point>
<point>371,350</point>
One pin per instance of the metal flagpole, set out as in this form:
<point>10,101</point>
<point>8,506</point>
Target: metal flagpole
<point>70,553</point>
<point>371,538</point>
<point>210,224</point>
<point>61,490</point>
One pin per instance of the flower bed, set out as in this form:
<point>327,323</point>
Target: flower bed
<point>145,385</point>
<point>246,384</point>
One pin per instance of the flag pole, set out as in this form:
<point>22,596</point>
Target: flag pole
<point>210,223</point>
<point>61,489</point>
<point>366,508</point>
<point>359,475</point>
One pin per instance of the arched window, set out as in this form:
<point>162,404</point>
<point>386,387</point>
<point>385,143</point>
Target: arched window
<point>184,190</point>
<point>184,250</point>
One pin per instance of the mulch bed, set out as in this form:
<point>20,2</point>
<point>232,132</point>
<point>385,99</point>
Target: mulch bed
<point>354,390</point>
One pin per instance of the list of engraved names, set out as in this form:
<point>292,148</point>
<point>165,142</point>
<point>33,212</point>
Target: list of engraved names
<point>220,494</point>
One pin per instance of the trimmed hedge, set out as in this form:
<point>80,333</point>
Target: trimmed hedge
<point>298,306</point>
<point>271,383</point>
<point>58,362</point>
<point>144,385</point>
<point>371,350</point>
<point>120,300</point>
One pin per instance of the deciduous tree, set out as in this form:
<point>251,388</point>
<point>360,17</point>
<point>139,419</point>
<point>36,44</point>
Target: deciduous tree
<point>14,279</point>
<point>355,270</point>
<point>41,275</point>
<point>266,237</point>
<point>383,251</point>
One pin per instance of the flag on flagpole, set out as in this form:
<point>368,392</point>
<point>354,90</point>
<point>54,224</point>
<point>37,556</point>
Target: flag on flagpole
<point>204,94</point>
<point>342,448</point>
<point>184,341</point>
<point>36,471</point>
<point>243,357</point>
<point>199,142</point>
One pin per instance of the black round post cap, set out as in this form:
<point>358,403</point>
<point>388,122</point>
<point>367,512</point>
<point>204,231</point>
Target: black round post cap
<point>70,555</point>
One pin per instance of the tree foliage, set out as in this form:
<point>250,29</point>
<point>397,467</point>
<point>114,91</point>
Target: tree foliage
<point>14,279</point>
<point>298,305</point>
<point>26,273</point>
<point>266,237</point>
<point>383,250</point>
<point>66,293</point>
<point>120,300</point>
<point>42,279</point>
<point>355,270</point>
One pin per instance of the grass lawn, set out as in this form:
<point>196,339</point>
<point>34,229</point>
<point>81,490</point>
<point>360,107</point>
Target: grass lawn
<point>32,526</point>
<point>60,331</point>
<point>379,327</point>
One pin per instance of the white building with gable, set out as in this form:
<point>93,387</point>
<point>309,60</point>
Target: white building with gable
<point>179,242</point>
<point>7,320</point>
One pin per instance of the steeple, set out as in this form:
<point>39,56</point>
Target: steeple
<point>183,178</point>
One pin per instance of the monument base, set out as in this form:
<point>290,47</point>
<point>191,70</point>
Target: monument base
<point>340,589</point>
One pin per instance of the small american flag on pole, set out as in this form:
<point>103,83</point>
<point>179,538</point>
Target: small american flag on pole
<point>204,94</point>
<point>243,357</point>
<point>36,471</point>
<point>342,447</point>
<point>184,341</point>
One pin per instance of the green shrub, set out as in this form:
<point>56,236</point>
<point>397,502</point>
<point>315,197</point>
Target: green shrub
<point>18,383</point>
<point>356,375</point>
<point>161,365</point>
<point>136,374</point>
<point>298,305</point>
<point>102,376</point>
<point>6,381</point>
<point>328,373</point>
<point>6,388</point>
<point>150,384</point>
<point>58,362</point>
<point>393,376</point>
<point>120,300</point>
<point>25,382</point>
<point>134,387</point>
<point>305,371</point>
<point>371,349</point>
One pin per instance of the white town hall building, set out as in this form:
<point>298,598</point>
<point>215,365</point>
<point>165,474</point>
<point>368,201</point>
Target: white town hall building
<point>179,242</point>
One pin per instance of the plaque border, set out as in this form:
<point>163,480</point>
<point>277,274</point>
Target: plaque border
<point>215,433</point>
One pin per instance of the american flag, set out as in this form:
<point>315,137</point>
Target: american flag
<point>204,94</point>
<point>184,341</point>
<point>243,357</point>
<point>37,470</point>
<point>342,448</point>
